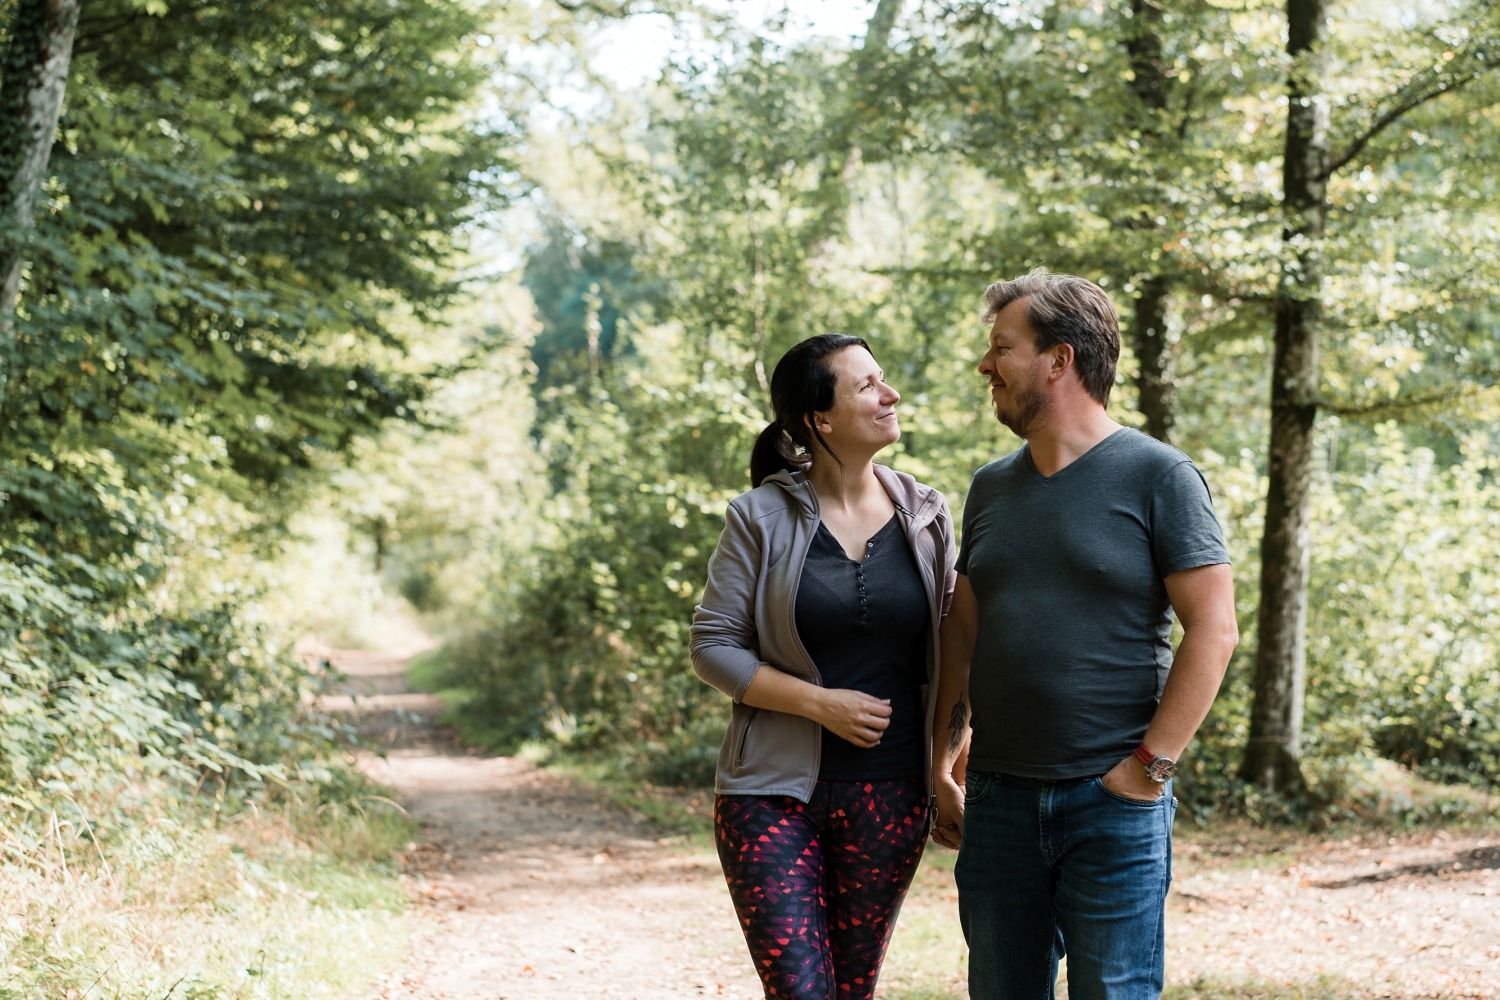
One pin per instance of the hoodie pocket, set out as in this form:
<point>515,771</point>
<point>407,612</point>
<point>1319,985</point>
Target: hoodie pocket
<point>741,739</point>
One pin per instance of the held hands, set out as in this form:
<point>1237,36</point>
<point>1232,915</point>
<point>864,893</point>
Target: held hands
<point>948,826</point>
<point>855,716</point>
<point>1127,779</point>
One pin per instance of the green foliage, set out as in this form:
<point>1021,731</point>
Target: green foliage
<point>93,700</point>
<point>581,295</point>
<point>1401,632</point>
<point>250,208</point>
<point>1402,654</point>
<point>749,197</point>
<point>590,655</point>
<point>88,699</point>
<point>211,290</point>
<point>248,694</point>
<point>241,218</point>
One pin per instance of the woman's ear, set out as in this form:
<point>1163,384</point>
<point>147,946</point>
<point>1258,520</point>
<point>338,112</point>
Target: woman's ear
<point>818,422</point>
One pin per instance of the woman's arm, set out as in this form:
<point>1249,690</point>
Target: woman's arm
<point>724,653</point>
<point>722,641</point>
<point>853,715</point>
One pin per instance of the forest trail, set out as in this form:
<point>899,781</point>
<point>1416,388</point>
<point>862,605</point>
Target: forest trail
<point>530,888</point>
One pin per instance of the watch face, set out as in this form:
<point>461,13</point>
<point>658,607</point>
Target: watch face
<point>1160,769</point>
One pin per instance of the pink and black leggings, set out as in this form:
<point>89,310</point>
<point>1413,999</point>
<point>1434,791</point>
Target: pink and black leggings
<point>817,887</point>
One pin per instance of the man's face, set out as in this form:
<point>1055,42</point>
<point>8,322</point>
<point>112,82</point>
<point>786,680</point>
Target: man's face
<point>1015,371</point>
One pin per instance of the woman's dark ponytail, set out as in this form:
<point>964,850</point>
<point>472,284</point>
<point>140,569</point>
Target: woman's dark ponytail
<point>774,452</point>
<point>801,385</point>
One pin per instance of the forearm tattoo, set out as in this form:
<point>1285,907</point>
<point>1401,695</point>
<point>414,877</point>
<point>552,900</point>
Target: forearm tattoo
<point>957,722</point>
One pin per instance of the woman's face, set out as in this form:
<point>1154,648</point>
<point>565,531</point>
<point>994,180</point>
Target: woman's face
<point>862,418</point>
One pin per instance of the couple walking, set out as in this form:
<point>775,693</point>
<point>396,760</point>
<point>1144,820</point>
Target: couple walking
<point>1019,701</point>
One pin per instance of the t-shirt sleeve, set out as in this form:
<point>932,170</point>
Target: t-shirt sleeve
<point>1185,532</point>
<point>971,504</point>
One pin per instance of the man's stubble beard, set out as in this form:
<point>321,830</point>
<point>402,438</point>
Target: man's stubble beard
<point>1028,406</point>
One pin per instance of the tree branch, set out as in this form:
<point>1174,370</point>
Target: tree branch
<point>94,30</point>
<point>1417,92</point>
<point>617,8</point>
<point>1369,411</point>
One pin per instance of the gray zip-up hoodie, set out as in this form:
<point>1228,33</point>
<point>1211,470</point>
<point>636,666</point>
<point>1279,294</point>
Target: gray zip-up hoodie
<point>748,617</point>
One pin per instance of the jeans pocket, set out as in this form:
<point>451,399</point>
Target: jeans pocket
<point>977,785</point>
<point>1161,799</point>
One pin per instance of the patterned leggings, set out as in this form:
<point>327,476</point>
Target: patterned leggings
<point>817,887</point>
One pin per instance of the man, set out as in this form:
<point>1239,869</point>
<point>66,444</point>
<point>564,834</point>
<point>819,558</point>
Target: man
<point>1077,549</point>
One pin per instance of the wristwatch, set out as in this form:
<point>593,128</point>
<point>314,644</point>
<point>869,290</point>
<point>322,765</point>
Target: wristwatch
<point>1158,768</point>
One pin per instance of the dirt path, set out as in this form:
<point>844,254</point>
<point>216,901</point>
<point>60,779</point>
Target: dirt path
<point>531,889</point>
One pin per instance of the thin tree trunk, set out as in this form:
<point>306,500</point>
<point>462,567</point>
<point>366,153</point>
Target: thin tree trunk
<point>1148,331</point>
<point>1273,756</point>
<point>35,74</point>
<point>843,147</point>
<point>1147,327</point>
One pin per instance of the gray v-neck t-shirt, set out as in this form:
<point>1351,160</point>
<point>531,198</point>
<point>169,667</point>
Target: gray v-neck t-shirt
<point>1074,638</point>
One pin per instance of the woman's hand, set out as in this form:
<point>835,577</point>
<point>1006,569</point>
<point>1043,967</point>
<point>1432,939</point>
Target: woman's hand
<point>854,716</point>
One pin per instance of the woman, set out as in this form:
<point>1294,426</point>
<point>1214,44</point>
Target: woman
<point>820,621</point>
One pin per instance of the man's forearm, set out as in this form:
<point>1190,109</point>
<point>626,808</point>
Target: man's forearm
<point>951,733</point>
<point>1197,672</point>
<point>952,711</point>
<point>1204,600</point>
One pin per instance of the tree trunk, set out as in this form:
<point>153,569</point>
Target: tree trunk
<point>35,68</point>
<point>1158,396</point>
<point>843,146</point>
<point>1273,756</point>
<point>882,22</point>
<point>1148,322</point>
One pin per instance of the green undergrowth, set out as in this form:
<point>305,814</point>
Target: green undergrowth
<point>155,894</point>
<point>433,673</point>
<point>1362,792</point>
<point>682,813</point>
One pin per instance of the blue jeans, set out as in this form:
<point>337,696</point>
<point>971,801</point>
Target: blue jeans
<point>1068,866</point>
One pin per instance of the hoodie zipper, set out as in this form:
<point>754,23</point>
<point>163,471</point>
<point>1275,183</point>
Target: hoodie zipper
<point>744,741</point>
